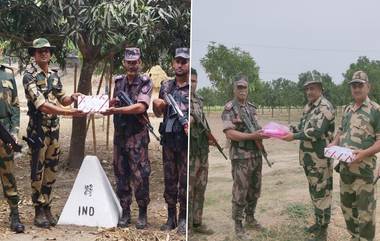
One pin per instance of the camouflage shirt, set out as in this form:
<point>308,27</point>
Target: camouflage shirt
<point>198,135</point>
<point>316,129</point>
<point>177,138</point>
<point>232,119</point>
<point>40,87</point>
<point>9,104</point>
<point>360,129</point>
<point>130,131</point>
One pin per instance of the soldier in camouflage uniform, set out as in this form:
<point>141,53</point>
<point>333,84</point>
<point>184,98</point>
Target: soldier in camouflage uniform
<point>359,131</point>
<point>10,118</point>
<point>315,132</point>
<point>198,166</point>
<point>131,138</point>
<point>43,88</point>
<point>246,159</point>
<point>174,140</point>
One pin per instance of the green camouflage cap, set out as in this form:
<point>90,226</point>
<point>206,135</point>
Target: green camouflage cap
<point>40,43</point>
<point>313,80</point>
<point>359,77</point>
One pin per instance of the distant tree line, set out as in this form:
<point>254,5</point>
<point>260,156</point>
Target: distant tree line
<point>222,64</point>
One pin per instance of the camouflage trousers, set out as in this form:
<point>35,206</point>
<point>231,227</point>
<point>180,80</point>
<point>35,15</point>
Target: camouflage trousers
<point>320,181</point>
<point>198,174</point>
<point>246,189</point>
<point>46,168</point>
<point>132,171</point>
<point>358,203</point>
<point>175,174</point>
<point>7,178</point>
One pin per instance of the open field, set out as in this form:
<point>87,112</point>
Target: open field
<point>284,207</point>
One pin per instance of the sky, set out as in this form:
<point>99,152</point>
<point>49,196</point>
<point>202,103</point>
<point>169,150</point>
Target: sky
<point>288,37</point>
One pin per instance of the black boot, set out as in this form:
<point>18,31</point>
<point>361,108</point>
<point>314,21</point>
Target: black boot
<point>40,219</point>
<point>52,220</point>
<point>125,219</point>
<point>142,219</point>
<point>252,223</point>
<point>182,222</point>
<point>318,231</point>
<point>171,223</point>
<point>16,225</point>
<point>240,232</point>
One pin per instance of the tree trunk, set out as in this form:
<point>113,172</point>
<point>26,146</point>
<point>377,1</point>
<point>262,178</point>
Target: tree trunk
<point>78,134</point>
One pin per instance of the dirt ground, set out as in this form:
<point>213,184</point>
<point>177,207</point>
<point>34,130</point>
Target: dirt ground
<point>66,178</point>
<point>284,207</point>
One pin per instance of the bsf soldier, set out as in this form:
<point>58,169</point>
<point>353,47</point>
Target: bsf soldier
<point>10,118</point>
<point>131,139</point>
<point>360,132</point>
<point>198,166</point>
<point>43,88</point>
<point>246,159</point>
<point>174,140</point>
<point>315,131</point>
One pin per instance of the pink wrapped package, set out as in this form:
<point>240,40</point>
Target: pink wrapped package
<point>273,129</point>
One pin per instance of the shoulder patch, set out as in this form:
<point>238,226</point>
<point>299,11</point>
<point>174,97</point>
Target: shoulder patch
<point>30,69</point>
<point>347,107</point>
<point>166,82</point>
<point>145,78</point>
<point>119,77</point>
<point>326,102</point>
<point>375,105</point>
<point>228,105</point>
<point>327,111</point>
<point>252,104</point>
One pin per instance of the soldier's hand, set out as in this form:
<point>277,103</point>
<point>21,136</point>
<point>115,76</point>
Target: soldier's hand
<point>262,135</point>
<point>293,129</point>
<point>77,113</point>
<point>74,97</point>
<point>359,155</point>
<point>14,135</point>
<point>257,136</point>
<point>160,104</point>
<point>210,140</point>
<point>334,142</point>
<point>288,137</point>
<point>112,102</point>
<point>109,111</point>
<point>186,129</point>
